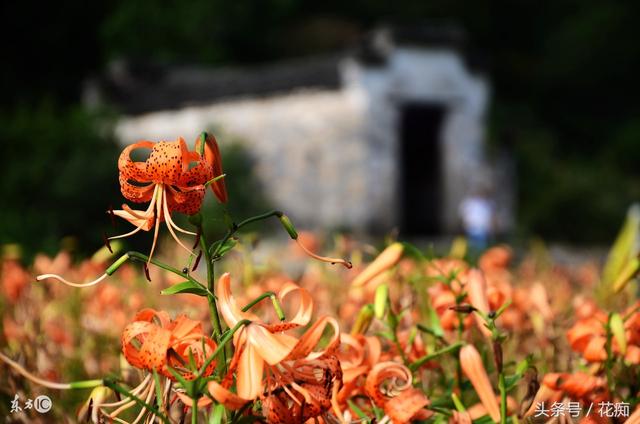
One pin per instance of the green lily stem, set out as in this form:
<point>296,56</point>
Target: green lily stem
<point>213,308</point>
<point>503,398</point>
<point>608,363</point>
<point>140,257</point>
<point>274,301</point>
<point>117,388</point>
<point>194,411</point>
<point>426,358</point>
<point>235,227</point>
<point>225,339</point>
<point>86,384</point>
<point>158,386</point>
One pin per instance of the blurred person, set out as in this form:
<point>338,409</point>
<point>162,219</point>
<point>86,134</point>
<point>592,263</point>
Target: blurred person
<point>477,212</point>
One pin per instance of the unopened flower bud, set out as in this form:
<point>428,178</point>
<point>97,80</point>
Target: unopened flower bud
<point>380,302</point>
<point>363,321</point>
<point>617,329</point>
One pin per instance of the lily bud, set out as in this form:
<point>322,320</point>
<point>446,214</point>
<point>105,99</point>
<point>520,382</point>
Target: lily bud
<point>388,258</point>
<point>363,321</point>
<point>473,368</point>
<point>617,329</point>
<point>380,302</point>
<point>89,410</point>
<point>288,226</point>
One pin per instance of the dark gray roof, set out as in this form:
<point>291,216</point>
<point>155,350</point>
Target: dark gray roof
<point>137,88</point>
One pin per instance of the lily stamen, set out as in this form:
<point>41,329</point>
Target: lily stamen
<point>345,263</point>
<point>69,283</point>
<point>146,215</point>
<point>50,384</point>
<point>171,226</point>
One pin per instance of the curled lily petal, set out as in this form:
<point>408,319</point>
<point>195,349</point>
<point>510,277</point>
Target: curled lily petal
<point>214,160</point>
<point>272,347</point>
<point>305,307</point>
<point>404,407</point>
<point>312,336</point>
<point>408,401</point>
<point>231,312</point>
<point>384,371</point>
<point>225,396</point>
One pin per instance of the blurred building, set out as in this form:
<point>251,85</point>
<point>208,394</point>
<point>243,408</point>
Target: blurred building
<point>389,135</point>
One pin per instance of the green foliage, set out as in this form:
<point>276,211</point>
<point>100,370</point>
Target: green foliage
<point>59,176</point>
<point>246,197</point>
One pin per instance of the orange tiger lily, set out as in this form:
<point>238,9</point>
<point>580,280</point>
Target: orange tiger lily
<point>578,386</point>
<point>172,179</point>
<point>260,342</point>
<point>408,404</point>
<point>290,365</point>
<point>153,341</point>
<point>588,336</point>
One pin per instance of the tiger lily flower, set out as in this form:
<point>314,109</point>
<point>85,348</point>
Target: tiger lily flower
<point>154,341</point>
<point>298,380</point>
<point>408,403</point>
<point>172,179</point>
<point>578,386</point>
<point>259,342</point>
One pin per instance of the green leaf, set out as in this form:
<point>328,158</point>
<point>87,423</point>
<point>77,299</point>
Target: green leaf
<point>359,412</point>
<point>186,287</point>
<point>624,249</point>
<point>156,379</point>
<point>434,323</point>
<point>412,251</point>
<point>216,415</point>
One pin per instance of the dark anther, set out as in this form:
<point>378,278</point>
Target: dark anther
<point>197,239</point>
<point>106,242</point>
<point>464,308</point>
<point>195,265</point>
<point>112,215</point>
<point>146,271</point>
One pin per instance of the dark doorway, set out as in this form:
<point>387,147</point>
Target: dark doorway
<point>420,167</point>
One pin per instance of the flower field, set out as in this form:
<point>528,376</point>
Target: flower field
<point>324,331</point>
